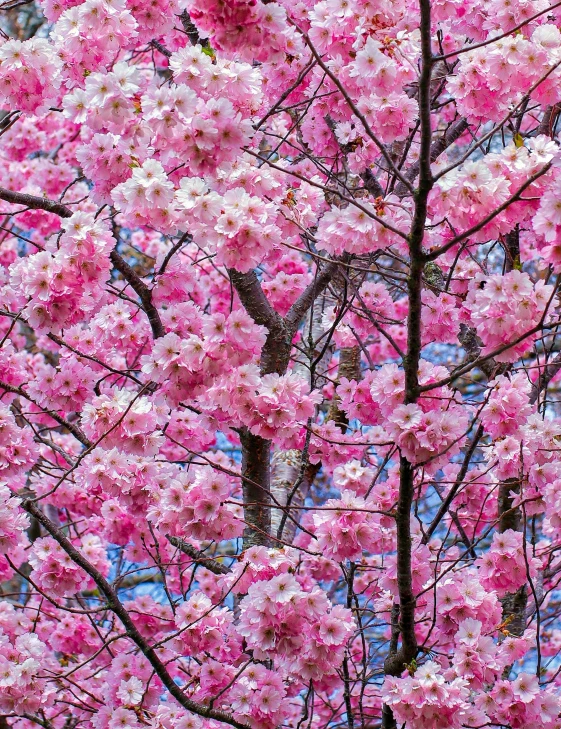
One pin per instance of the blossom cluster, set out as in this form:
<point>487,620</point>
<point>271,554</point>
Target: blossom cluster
<point>506,310</point>
<point>252,27</point>
<point>299,628</point>
<point>57,574</point>
<point>30,74</point>
<point>507,566</point>
<point>58,287</point>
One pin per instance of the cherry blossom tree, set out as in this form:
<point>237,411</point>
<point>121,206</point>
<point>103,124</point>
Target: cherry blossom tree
<point>280,429</point>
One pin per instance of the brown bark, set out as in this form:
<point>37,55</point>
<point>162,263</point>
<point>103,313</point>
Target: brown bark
<point>275,357</point>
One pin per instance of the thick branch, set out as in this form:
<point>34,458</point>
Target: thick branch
<point>161,48</point>
<point>191,30</point>
<point>454,132</point>
<point>307,297</point>
<point>514,608</point>
<point>349,368</point>
<point>509,516</point>
<point>548,120</point>
<point>34,202</point>
<point>470,342</point>
<point>291,474</point>
<point>213,565</point>
<point>276,351</point>
<point>254,300</point>
<point>256,477</point>
<point>275,356</point>
<point>142,291</point>
<point>396,661</point>
<point>447,502</point>
<point>371,183</point>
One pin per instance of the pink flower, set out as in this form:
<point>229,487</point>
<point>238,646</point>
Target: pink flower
<point>130,692</point>
<point>525,687</point>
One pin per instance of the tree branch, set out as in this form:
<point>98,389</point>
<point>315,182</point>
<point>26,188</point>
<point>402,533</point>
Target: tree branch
<point>397,660</point>
<point>254,300</point>
<point>256,479</point>
<point>298,310</point>
<point>77,432</point>
<point>545,378</point>
<point>35,202</point>
<point>198,556</point>
<point>488,218</point>
<point>117,607</point>
<point>275,354</point>
<point>143,292</point>
<point>440,145</point>
<point>191,30</point>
